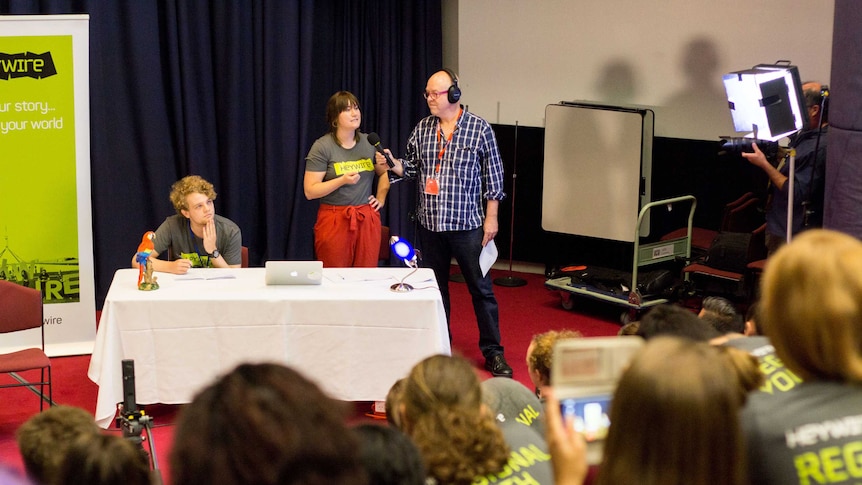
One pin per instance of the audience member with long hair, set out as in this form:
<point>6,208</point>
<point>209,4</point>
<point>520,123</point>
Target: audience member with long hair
<point>441,410</point>
<point>393,401</point>
<point>811,310</point>
<point>674,419</point>
<point>264,424</point>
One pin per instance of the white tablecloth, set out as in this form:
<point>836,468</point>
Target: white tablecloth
<point>351,335</point>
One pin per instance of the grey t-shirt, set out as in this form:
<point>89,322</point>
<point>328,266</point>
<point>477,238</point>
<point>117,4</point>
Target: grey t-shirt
<point>811,434</point>
<point>176,235</point>
<point>328,156</point>
<point>778,378</point>
<point>529,460</point>
<point>510,401</point>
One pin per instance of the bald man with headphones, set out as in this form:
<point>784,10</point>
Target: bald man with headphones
<point>454,157</point>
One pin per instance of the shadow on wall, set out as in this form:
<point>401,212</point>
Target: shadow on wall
<point>696,107</point>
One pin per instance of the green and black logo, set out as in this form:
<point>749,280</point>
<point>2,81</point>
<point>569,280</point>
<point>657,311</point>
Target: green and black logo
<point>27,64</point>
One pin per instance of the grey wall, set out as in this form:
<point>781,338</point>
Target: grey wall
<point>517,56</point>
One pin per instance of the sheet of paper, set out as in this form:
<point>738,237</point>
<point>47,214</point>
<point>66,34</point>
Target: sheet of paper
<point>204,277</point>
<point>356,278</point>
<point>488,257</point>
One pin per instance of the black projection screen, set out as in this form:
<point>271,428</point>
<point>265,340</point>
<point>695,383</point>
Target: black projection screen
<point>596,172</point>
<point>517,56</point>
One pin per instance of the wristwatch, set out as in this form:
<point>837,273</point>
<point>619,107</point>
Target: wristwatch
<point>215,254</point>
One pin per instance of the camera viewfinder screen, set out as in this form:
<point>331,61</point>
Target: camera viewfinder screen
<point>591,415</point>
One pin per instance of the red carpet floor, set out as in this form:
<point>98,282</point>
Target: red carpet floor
<point>524,311</point>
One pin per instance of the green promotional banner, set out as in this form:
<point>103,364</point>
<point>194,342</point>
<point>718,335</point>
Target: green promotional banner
<point>38,206</point>
<point>45,213</point>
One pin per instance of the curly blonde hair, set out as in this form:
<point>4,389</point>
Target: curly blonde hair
<point>540,358</point>
<point>444,416</point>
<point>190,184</point>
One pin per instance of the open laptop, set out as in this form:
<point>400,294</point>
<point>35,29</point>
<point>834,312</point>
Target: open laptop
<point>294,272</point>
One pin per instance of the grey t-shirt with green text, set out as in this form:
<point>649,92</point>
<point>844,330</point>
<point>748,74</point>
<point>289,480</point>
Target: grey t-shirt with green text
<point>176,234</point>
<point>328,156</point>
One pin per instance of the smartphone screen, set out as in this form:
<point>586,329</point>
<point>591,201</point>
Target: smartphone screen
<point>591,415</point>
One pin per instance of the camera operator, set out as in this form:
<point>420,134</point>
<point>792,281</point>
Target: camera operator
<point>809,173</point>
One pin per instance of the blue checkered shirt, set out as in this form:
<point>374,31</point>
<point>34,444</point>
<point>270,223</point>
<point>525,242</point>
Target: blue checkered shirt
<point>471,170</point>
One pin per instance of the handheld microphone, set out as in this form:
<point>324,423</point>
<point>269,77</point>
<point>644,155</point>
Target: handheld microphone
<point>374,140</point>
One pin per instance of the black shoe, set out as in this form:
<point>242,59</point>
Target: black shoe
<point>498,366</point>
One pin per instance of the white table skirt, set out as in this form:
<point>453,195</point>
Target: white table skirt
<point>351,334</point>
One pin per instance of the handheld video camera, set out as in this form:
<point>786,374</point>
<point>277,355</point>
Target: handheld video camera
<point>584,375</point>
<point>734,145</point>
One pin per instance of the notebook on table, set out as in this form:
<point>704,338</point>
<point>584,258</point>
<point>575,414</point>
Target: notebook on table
<point>293,272</point>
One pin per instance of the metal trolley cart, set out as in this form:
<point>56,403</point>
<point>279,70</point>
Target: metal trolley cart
<point>644,255</point>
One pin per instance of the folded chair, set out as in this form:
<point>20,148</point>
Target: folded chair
<point>20,310</point>
<point>710,277</point>
<point>744,217</point>
<point>740,215</point>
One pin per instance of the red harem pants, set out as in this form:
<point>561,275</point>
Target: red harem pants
<point>347,236</point>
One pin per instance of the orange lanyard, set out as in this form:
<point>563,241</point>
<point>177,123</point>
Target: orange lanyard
<point>442,145</point>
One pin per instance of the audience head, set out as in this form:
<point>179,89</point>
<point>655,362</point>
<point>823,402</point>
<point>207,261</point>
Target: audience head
<point>674,415</point>
<point>388,456</point>
<point>670,319</point>
<point>722,314</point>
<point>630,328</point>
<point>44,438</point>
<point>442,412</point>
<point>191,184</point>
<point>811,305</point>
<point>752,315</point>
<point>540,354</point>
<point>264,424</point>
<point>393,401</point>
<point>509,401</point>
<point>104,459</point>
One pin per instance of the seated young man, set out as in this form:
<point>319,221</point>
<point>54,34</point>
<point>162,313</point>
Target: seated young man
<point>195,236</point>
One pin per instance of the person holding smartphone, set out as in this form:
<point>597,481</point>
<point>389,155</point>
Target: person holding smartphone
<point>674,419</point>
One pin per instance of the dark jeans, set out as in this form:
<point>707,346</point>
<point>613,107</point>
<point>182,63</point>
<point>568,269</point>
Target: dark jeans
<point>438,249</point>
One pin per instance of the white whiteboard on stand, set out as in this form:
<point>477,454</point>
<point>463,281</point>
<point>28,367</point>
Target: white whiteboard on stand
<point>596,171</point>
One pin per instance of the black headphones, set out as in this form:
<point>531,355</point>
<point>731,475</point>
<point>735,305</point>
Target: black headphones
<point>454,92</point>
